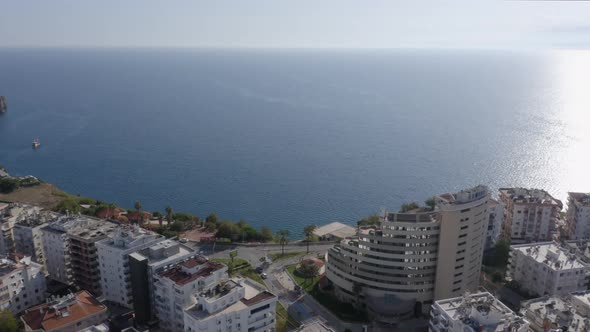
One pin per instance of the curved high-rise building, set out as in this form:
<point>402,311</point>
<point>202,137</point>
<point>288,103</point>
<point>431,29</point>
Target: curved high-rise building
<point>400,266</point>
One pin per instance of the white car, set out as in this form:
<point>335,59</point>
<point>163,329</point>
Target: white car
<point>263,275</point>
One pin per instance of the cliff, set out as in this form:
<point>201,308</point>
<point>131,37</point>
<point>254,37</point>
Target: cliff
<point>3,106</point>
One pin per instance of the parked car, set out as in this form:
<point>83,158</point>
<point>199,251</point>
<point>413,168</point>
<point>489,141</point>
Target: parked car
<point>264,275</point>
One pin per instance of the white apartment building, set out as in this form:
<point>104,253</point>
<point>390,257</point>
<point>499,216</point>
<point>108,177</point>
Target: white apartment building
<point>474,313</point>
<point>113,258</point>
<point>547,269</point>
<point>578,215</point>
<point>556,313</point>
<point>177,289</point>
<point>28,237</point>
<point>145,265</point>
<point>397,268</point>
<point>22,283</point>
<point>8,216</point>
<point>496,219</point>
<point>530,215</point>
<point>70,252</point>
<point>239,305</point>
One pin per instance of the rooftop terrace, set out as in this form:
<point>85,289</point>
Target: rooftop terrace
<point>552,255</point>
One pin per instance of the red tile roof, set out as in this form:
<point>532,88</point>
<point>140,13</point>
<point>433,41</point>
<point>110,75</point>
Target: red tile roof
<point>44,317</point>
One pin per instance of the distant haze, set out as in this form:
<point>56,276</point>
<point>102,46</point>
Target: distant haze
<point>294,24</point>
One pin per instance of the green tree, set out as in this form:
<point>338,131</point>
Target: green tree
<point>309,270</point>
<point>407,207</point>
<point>212,218</point>
<point>431,202</point>
<point>138,207</point>
<point>169,212</point>
<point>497,277</point>
<point>8,185</point>
<point>265,234</point>
<point>283,236</point>
<point>502,252</point>
<point>308,231</point>
<point>8,322</point>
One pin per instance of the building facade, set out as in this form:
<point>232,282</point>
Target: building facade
<point>578,215</point>
<point>70,250</point>
<point>144,266</point>
<point>546,268</point>
<point>28,237</point>
<point>238,305</point>
<point>70,313</point>
<point>177,289</point>
<point>530,215</point>
<point>397,268</point>
<point>474,312</point>
<point>113,257</point>
<point>22,283</point>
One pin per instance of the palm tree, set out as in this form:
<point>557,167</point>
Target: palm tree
<point>169,212</point>
<point>308,231</point>
<point>137,207</point>
<point>283,239</point>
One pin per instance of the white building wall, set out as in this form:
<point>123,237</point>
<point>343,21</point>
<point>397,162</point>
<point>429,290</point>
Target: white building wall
<point>22,288</point>
<point>29,242</point>
<point>56,251</point>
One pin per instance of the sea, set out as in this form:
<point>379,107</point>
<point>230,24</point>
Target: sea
<point>286,138</point>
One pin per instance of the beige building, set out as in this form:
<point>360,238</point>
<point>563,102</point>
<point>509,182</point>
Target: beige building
<point>71,313</point>
<point>473,313</point>
<point>22,283</point>
<point>334,231</point>
<point>397,268</point>
<point>530,215</point>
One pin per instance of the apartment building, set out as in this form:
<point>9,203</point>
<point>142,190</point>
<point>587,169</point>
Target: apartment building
<point>495,221</point>
<point>177,289</point>
<point>474,312</point>
<point>8,216</point>
<point>530,215</point>
<point>239,305</point>
<point>113,256</point>
<point>397,268</point>
<point>70,313</point>
<point>22,283</point>
<point>144,265</point>
<point>28,237</point>
<point>547,268</point>
<point>70,250</point>
<point>578,215</point>
<point>558,313</point>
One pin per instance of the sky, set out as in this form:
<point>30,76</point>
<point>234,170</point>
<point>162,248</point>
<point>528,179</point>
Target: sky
<point>296,24</point>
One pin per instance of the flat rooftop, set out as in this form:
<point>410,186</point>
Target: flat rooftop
<point>181,276</point>
<point>556,310</point>
<point>580,198</point>
<point>480,311</point>
<point>530,196</point>
<point>336,229</point>
<point>552,255</point>
<point>463,196</point>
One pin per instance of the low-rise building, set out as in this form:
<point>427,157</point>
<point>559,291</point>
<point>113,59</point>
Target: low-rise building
<point>22,283</point>
<point>530,215</point>
<point>70,313</point>
<point>144,265</point>
<point>547,268</point>
<point>578,215</point>
<point>334,231</point>
<point>555,313</point>
<point>177,288</point>
<point>239,305</point>
<point>113,257</point>
<point>474,312</point>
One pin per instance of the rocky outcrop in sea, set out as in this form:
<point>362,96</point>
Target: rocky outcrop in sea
<point>3,106</point>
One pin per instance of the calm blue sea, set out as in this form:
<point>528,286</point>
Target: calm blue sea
<point>286,138</point>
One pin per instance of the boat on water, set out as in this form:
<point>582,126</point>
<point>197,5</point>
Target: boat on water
<point>36,143</point>
<point>3,107</point>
